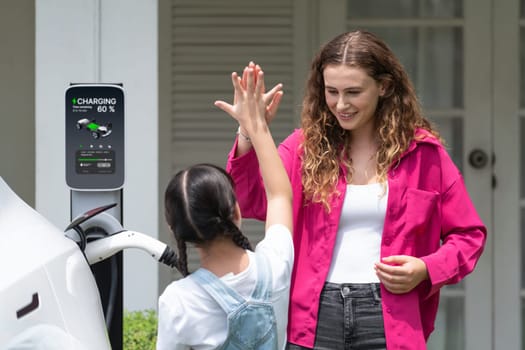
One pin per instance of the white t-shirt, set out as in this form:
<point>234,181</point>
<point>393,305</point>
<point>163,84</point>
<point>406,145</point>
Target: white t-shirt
<point>190,318</point>
<point>358,242</point>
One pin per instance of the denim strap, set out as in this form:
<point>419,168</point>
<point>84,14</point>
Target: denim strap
<point>227,297</point>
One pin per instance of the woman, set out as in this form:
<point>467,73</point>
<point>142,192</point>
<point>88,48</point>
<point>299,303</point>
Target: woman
<point>382,218</point>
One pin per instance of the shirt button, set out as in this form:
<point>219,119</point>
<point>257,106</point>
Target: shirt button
<point>388,240</point>
<point>389,310</point>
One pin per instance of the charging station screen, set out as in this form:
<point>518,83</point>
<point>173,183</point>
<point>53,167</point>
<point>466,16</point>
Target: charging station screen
<point>95,162</point>
<point>94,136</point>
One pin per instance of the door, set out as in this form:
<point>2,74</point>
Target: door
<point>509,193</point>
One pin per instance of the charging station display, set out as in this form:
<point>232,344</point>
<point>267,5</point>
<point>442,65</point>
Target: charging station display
<point>94,136</point>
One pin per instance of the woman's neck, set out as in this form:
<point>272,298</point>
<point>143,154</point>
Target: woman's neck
<point>362,154</point>
<point>363,139</point>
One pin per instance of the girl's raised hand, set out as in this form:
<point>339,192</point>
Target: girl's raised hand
<point>250,102</point>
<point>272,98</point>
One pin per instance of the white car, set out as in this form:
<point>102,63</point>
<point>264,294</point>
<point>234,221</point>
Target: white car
<point>49,298</point>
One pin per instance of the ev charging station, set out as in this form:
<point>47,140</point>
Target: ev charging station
<point>62,290</point>
<point>95,146</point>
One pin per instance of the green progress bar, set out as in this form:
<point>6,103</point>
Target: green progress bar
<point>89,159</point>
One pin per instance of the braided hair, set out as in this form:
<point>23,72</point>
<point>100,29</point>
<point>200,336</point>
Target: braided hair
<point>199,207</point>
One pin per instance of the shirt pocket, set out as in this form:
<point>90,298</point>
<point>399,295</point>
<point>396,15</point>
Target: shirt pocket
<point>421,207</point>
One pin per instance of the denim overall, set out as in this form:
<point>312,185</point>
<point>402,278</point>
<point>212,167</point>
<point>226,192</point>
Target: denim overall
<point>251,322</point>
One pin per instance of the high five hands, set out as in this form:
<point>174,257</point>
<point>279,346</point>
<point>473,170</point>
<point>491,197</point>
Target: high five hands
<point>252,107</point>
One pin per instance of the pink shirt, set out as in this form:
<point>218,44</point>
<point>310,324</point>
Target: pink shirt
<point>428,204</point>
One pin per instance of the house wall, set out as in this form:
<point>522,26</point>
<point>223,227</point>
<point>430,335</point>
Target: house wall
<point>110,41</point>
<point>17,122</point>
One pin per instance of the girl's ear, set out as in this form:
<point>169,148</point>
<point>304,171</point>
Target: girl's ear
<point>237,217</point>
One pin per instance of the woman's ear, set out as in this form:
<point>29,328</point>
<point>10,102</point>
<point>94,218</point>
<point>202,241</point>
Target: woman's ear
<point>383,85</point>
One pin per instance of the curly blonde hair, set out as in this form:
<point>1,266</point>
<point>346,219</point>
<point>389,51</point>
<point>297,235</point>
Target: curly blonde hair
<point>326,145</point>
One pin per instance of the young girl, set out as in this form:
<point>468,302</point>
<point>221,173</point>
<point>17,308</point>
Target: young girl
<point>237,299</point>
<point>382,217</point>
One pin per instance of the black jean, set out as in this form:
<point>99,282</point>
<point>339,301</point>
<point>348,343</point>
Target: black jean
<point>350,318</point>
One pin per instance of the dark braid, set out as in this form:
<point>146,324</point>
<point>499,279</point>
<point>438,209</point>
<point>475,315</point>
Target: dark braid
<point>182,258</point>
<point>241,240</point>
<point>237,236</point>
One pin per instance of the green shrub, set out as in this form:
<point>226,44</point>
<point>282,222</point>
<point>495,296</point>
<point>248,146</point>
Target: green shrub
<point>140,330</point>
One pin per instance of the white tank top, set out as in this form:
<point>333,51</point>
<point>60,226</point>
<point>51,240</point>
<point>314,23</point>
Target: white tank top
<point>358,242</point>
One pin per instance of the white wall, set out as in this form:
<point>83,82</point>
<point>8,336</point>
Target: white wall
<point>166,275</point>
<point>110,41</point>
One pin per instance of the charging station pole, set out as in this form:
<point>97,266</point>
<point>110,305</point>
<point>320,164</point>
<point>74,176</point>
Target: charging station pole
<point>94,129</point>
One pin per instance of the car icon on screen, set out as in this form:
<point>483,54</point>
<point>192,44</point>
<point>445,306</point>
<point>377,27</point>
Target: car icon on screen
<point>97,130</point>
